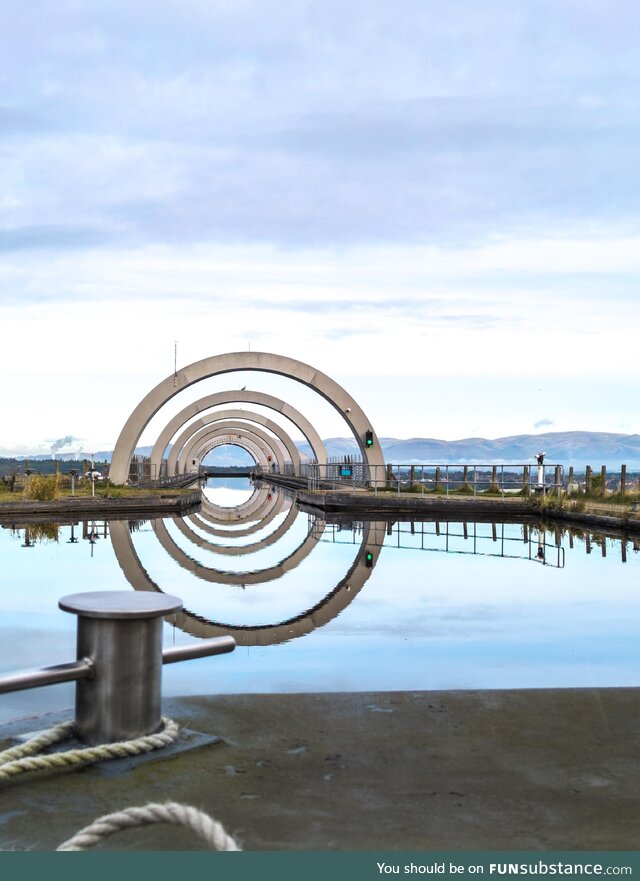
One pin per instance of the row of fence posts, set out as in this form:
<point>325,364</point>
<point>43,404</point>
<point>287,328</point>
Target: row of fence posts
<point>602,488</point>
<point>142,465</point>
<point>494,485</point>
<point>526,483</point>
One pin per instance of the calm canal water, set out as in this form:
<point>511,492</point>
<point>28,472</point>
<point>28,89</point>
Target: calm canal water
<point>318,607</point>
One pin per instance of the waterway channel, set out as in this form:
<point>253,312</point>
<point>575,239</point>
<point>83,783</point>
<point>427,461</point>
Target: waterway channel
<point>321,607</point>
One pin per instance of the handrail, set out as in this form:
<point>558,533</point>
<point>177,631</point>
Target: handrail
<point>501,478</point>
<point>40,676</point>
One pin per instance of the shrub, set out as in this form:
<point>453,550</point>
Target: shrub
<point>43,487</point>
<point>596,483</point>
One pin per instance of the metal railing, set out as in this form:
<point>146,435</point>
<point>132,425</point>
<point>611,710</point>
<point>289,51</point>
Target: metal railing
<point>473,480</point>
<point>179,480</point>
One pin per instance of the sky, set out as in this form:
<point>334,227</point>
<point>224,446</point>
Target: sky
<point>435,204</point>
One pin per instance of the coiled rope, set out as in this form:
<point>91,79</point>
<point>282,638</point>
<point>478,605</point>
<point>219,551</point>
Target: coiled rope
<point>22,758</point>
<point>171,812</point>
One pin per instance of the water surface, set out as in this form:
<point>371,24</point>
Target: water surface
<point>507,606</point>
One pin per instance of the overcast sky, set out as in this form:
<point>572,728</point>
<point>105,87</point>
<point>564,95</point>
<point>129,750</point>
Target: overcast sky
<point>435,203</point>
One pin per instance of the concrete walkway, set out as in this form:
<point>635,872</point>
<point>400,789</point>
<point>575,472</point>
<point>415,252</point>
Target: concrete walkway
<point>493,770</point>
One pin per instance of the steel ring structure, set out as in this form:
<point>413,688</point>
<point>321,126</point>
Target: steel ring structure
<point>263,362</point>
<point>182,449</point>
<point>238,430</point>
<point>259,454</point>
<point>240,397</point>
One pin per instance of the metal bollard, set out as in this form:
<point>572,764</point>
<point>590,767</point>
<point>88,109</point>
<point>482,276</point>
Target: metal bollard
<point>118,670</point>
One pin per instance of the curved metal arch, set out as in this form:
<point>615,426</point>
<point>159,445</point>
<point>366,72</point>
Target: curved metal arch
<point>262,634</point>
<point>239,429</point>
<point>231,362</point>
<point>230,397</point>
<point>190,432</point>
<point>259,455</point>
<point>200,446</point>
<point>239,550</point>
<point>219,576</point>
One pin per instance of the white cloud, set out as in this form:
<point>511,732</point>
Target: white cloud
<point>421,193</point>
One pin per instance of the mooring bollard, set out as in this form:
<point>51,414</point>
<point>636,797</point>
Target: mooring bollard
<point>118,671</point>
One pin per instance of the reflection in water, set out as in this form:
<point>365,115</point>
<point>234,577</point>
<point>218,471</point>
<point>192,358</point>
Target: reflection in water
<point>330,605</point>
<point>444,605</point>
<point>226,493</point>
<point>37,533</point>
<point>535,544</point>
<point>235,550</point>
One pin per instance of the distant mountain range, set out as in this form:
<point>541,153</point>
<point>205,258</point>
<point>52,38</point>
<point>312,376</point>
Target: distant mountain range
<point>577,448</point>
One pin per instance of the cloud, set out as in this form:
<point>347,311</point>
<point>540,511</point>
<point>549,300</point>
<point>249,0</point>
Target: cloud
<point>543,423</point>
<point>305,127</point>
<point>52,237</point>
<point>427,179</point>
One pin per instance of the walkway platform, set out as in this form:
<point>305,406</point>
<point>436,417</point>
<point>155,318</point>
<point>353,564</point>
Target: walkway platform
<point>456,770</point>
<point>359,502</point>
<point>127,507</point>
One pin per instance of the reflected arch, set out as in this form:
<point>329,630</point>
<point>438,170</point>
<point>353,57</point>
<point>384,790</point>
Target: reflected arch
<point>238,550</point>
<point>231,362</point>
<point>232,397</point>
<point>331,605</point>
<point>273,512</point>
<point>219,576</point>
<point>254,508</point>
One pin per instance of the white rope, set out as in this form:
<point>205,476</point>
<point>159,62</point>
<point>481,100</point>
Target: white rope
<point>209,829</point>
<point>22,758</point>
